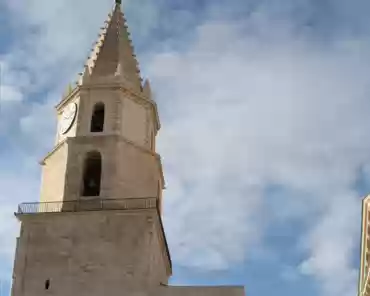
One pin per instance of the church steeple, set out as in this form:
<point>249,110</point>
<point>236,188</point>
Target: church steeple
<point>113,58</point>
<point>103,180</point>
<point>97,229</point>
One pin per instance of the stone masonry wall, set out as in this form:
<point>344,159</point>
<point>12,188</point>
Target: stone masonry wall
<point>53,175</point>
<point>91,253</point>
<point>138,172</point>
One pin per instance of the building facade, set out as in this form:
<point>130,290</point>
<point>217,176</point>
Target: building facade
<point>364,281</point>
<point>97,229</point>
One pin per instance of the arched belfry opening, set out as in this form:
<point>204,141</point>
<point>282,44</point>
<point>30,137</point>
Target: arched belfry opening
<point>97,118</point>
<point>92,174</point>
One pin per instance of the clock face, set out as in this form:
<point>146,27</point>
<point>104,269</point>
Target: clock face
<point>68,118</point>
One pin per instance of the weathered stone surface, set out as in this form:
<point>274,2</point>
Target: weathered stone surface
<point>54,175</point>
<point>199,291</point>
<point>188,291</point>
<point>90,252</point>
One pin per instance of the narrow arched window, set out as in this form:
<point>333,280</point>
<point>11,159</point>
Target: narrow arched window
<point>97,118</point>
<point>92,174</point>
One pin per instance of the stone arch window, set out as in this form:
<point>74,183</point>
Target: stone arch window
<point>97,118</point>
<point>92,174</point>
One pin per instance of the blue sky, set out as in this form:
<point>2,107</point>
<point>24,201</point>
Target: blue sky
<point>265,113</point>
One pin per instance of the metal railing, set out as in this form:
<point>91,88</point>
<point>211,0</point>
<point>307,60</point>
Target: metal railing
<point>96,204</point>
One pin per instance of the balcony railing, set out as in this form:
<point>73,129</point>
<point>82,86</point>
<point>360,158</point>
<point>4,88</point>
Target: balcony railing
<point>81,205</point>
<point>96,204</point>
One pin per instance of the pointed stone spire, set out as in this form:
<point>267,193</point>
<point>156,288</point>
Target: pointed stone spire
<point>86,74</point>
<point>112,56</point>
<point>147,90</point>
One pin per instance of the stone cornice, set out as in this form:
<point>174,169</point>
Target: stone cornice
<point>56,148</point>
<point>148,151</point>
<point>112,86</point>
<point>121,86</point>
<point>120,138</point>
<point>67,98</point>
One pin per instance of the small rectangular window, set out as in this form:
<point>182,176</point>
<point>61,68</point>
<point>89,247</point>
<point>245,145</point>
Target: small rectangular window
<point>47,284</point>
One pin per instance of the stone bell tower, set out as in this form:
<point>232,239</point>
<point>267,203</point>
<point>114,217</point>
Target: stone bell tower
<point>97,229</point>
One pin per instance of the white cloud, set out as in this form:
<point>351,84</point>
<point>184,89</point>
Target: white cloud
<point>16,187</point>
<point>8,93</point>
<point>245,112</point>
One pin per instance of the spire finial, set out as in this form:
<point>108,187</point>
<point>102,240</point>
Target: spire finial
<point>118,2</point>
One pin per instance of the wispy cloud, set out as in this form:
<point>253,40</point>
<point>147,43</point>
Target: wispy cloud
<point>246,112</point>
